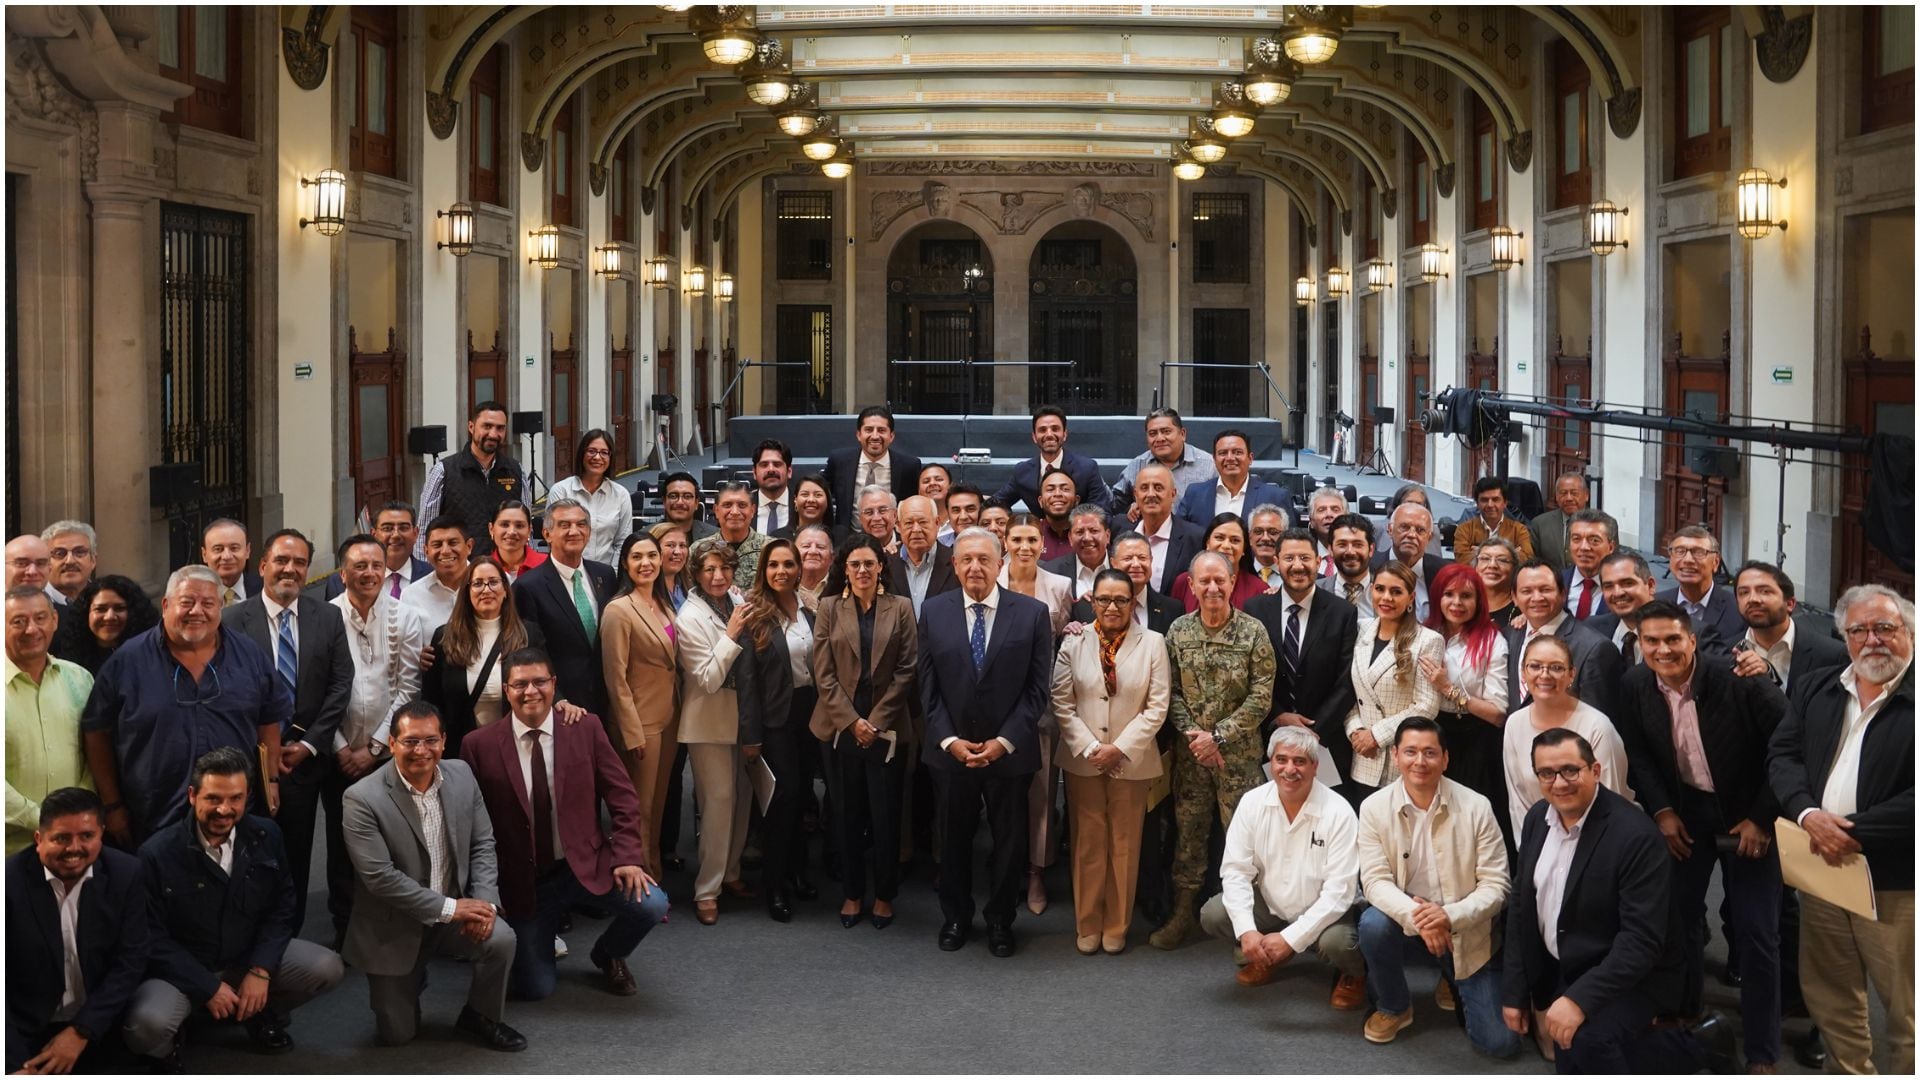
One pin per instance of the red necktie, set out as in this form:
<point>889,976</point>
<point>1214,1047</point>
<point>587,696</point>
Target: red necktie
<point>1586,598</point>
<point>1326,566</point>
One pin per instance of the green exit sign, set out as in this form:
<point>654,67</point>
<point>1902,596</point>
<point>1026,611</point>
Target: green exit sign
<point>1783,375</point>
<point>529,361</point>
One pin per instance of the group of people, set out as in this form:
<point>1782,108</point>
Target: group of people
<point>1520,764</point>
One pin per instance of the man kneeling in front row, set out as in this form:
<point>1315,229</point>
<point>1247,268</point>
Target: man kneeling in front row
<point>223,933</point>
<point>1298,841</point>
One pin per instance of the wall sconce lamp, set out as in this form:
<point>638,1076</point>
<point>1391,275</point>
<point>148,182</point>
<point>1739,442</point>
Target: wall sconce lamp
<point>1379,275</point>
<point>546,247</point>
<point>723,288</point>
<point>1754,200</point>
<point>609,261</point>
<point>1433,263</point>
<point>329,202</point>
<point>694,281</point>
<point>1303,291</point>
<point>1506,248</point>
<point>1606,227</point>
<point>660,272</point>
<point>1186,168</point>
<point>1336,283</point>
<point>459,229</point>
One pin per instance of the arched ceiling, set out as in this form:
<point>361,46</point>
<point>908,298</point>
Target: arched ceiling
<point>1116,81</point>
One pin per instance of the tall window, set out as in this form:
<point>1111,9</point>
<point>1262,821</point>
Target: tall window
<point>1486,167</point>
<point>1703,64</point>
<point>1420,222</point>
<point>1220,236</point>
<point>1573,173</point>
<point>200,46</point>
<point>617,202</point>
<point>804,237</point>
<point>483,130</point>
<point>1886,71</point>
<point>560,165</point>
<point>370,91</point>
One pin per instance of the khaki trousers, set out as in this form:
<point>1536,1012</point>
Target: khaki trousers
<point>1840,953</point>
<point>1106,816</point>
<point>652,776</point>
<point>724,795</point>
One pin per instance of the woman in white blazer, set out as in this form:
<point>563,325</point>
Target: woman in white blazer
<point>1021,572</point>
<point>1387,683</point>
<point>1111,686</point>
<point>708,644</point>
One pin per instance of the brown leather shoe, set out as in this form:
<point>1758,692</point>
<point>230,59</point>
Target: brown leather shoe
<point>739,888</point>
<point>1255,973</point>
<point>707,911</point>
<point>619,979</point>
<point>1349,994</point>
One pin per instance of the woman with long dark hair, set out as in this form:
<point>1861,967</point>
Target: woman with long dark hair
<point>640,657</point>
<point>112,609</point>
<point>464,681</point>
<point>1471,681</point>
<point>776,695</point>
<point>1386,676</point>
<point>812,505</point>
<point>510,529</point>
<point>1226,534</point>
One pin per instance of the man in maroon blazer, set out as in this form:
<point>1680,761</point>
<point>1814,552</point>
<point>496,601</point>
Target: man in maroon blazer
<point>543,783</point>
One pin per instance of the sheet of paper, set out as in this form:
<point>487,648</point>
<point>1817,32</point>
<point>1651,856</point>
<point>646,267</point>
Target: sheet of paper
<point>760,775</point>
<point>1848,886</point>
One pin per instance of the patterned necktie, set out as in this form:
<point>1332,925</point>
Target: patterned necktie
<point>1267,574</point>
<point>1586,598</point>
<point>285,660</point>
<point>226,597</point>
<point>978,640</point>
<point>582,604</point>
<point>1290,648</point>
<point>866,477</point>
<point>1353,593</point>
<point>542,799</point>
<point>393,584</point>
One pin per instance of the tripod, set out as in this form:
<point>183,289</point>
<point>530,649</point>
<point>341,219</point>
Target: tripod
<point>1379,464</point>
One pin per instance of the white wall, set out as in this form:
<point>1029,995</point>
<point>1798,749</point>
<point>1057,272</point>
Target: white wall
<point>529,286</point>
<point>1626,336</point>
<point>1277,241</point>
<point>1520,364</point>
<point>442,353</point>
<point>304,313</point>
<point>594,343</point>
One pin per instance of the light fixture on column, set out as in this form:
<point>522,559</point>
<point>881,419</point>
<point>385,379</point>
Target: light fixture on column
<point>1754,202</point>
<point>1336,283</point>
<point>694,281</point>
<point>1433,262</point>
<point>726,33</point>
<point>1379,275</point>
<point>799,113</point>
<point>1232,113</point>
<point>1270,73</point>
<point>723,287</point>
<point>545,248</point>
<point>1203,145</point>
<point>768,79</point>
<point>660,272</point>
<point>1506,247</point>
<point>1303,291</point>
<point>839,166</point>
<point>329,202</point>
<point>1313,31</point>
<point>609,257</point>
<point>459,239</point>
<point>1185,168</point>
<point>822,144</point>
<point>1606,227</point>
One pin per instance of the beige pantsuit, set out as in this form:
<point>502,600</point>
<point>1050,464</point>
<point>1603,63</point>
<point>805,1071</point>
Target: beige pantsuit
<point>643,694</point>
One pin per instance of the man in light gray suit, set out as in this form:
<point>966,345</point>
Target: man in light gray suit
<point>425,884</point>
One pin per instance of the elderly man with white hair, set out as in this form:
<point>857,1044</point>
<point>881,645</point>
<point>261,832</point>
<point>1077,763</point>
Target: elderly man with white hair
<point>1411,530</point>
<point>170,694</point>
<point>1841,764</point>
<point>75,550</point>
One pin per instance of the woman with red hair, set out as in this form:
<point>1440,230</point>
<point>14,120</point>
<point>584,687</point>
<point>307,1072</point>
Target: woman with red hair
<point>1472,682</point>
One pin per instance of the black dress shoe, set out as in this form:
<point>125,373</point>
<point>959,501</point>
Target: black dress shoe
<point>1000,939</point>
<point>853,920</point>
<point>1811,1051</point>
<point>803,887</point>
<point>1715,1038</point>
<point>881,922</point>
<point>269,1035</point>
<point>1731,976</point>
<point>674,862</point>
<point>952,936</point>
<point>779,906</point>
<point>492,1034</point>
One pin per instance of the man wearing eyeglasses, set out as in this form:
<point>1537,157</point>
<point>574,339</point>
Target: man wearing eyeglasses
<point>680,502</point>
<point>28,562</point>
<point>1696,737</point>
<point>75,551</point>
<point>170,694</point>
<point>1842,765</point>
<point>1693,557</point>
<point>398,532</point>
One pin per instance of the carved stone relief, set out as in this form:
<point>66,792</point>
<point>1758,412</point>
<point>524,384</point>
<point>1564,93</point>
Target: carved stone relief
<point>35,93</point>
<point>1135,206</point>
<point>647,195</point>
<point>442,113</point>
<point>886,207</point>
<point>1782,47</point>
<point>1520,150</point>
<point>597,178</point>
<point>306,54</point>
<point>1623,112</point>
<point>1443,180</point>
<point>1011,212</point>
<point>1389,201</point>
<point>533,150</point>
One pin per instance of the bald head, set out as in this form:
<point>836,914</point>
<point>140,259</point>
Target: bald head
<point>28,562</point>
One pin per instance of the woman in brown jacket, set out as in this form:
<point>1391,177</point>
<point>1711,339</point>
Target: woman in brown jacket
<point>637,650</point>
<point>866,651</point>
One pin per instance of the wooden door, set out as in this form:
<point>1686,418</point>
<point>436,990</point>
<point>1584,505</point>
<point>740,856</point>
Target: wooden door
<point>1412,408</point>
<point>703,396</point>
<point>664,376</point>
<point>1483,373</point>
<point>486,377</point>
<point>1570,382</point>
<point>376,422</point>
<point>563,412</point>
<point>621,413</point>
<point>1369,397</point>
<point>1879,398</point>
<point>1696,386</point>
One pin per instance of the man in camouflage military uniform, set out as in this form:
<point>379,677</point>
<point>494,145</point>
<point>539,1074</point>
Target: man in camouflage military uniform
<point>733,509</point>
<point>1222,669</point>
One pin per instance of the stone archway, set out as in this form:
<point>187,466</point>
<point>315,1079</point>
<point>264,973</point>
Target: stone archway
<point>1082,319</point>
<point>940,320</point>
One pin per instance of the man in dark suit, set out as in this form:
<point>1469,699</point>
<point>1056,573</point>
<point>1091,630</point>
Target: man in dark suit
<point>1696,737</point>
<point>223,934</point>
<point>225,550</point>
<point>1313,633</point>
<point>874,461</point>
<point>394,526</point>
<point>1779,643</point>
<point>1050,435</point>
<point>544,783</point>
<point>986,667</point>
<point>923,568</point>
<point>563,596</point>
<point>1592,536</point>
<point>1549,530</point>
<point>1591,928</point>
<point>1173,540</point>
<point>1087,529</point>
<point>322,662</point>
<point>1235,489</point>
<point>69,976</point>
<point>1626,583</point>
<point>1693,556</point>
<point>1597,666</point>
<point>1412,529</point>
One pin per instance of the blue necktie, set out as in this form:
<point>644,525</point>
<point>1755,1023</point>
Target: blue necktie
<point>285,659</point>
<point>773,518</point>
<point>978,640</point>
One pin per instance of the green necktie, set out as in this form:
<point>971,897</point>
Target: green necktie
<point>583,604</point>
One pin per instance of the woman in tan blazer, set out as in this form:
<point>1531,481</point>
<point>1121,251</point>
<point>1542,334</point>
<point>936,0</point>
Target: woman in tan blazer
<point>865,654</point>
<point>709,642</point>
<point>1387,684</point>
<point>1111,686</point>
<point>639,655</point>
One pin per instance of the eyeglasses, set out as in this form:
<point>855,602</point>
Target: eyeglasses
<point>390,528</point>
<point>486,585</point>
<point>1425,753</point>
<point>521,686</point>
<point>76,552</point>
<point>875,511</point>
<point>1680,552</point>
<point>1885,631</point>
<point>1535,667</point>
<point>25,564</point>
<point>1112,601</point>
<point>596,453</point>
<point>200,697</point>
<point>429,742</point>
<point>1569,773</point>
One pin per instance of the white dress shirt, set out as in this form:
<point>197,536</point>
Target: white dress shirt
<point>1550,874</point>
<point>1780,657</point>
<point>1580,584</point>
<point>919,578</point>
<point>1083,576</point>
<point>868,472</point>
<point>1362,596</point>
<point>1551,628</point>
<point>763,508</point>
<point>431,599</point>
<point>239,588</point>
<point>523,746</point>
<point>1842,794</point>
<point>221,852</point>
<point>1230,502</point>
<point>433,825</point>
<point>386,645</point>
<point>1305,613</point>
<point>1157,543</point>
<point>799,635</point>
<point>1422,879</point>
<point>1489,683</point>
<point>966,609</point>
<point>1307,868</point>
<point>75,994</point>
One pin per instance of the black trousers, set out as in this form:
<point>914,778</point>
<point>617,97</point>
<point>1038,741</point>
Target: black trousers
<point>300,799</point>
<point>788,751</point>
<point>864,789</point>
<point>1473,759</point>
<point>676,794</point>
<point>962,792</point>
<point>1618,1038</point>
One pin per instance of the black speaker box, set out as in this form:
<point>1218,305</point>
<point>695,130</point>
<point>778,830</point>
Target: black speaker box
<point>1721,461</point>
<point>427,440</point>
<point>529,423</point>
<point>665,403</point>
<point>1383,414</point>
<point>172,484</point>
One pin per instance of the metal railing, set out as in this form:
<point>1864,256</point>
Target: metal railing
<point>1296,416</point>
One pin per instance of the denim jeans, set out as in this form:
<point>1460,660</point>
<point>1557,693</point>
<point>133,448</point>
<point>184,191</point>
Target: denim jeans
<point>1388,948</point>
<point>554,895</point>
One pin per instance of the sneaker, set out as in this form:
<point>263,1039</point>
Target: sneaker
<point>559,948</point>
<point>1443,996</point>
<point>1383,1026</point>
<point>1350,994</point>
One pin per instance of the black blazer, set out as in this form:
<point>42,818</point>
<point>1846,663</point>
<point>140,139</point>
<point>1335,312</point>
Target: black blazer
<point>1723,615</point>
<point>540,598</point>
<point>1815,649</point>
<point>943,579</point>
<point>1161,611</point>
<point>1619,929</point>
<point>445,687</point>
<point>207,922</point>
<point>1324,690</point>
<point>788,530</point>
<point>112,937</point>
<point>1184,541</point>
<point>1800,759</point>
<point>843,468</point>
<point>333,586</point>
<point>325,672</point>
<point>1024,484</point>
<point>763,680</point>
<point>1737,718</point>
<point>1597,663</point>
<point>1006,699</point>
